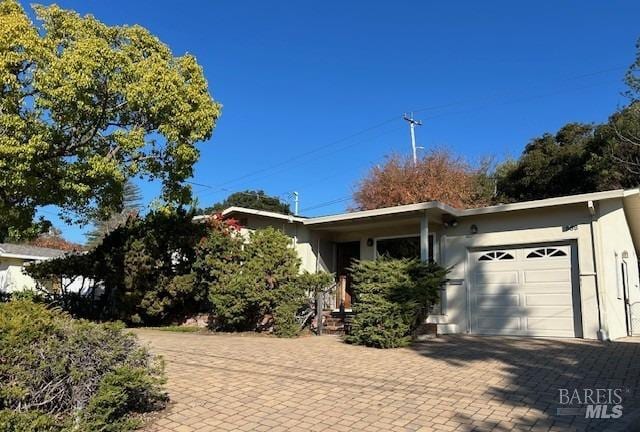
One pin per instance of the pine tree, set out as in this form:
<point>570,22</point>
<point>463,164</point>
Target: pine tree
<point>131,204</point>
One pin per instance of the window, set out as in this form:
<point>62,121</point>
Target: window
<point>402,247</point>
<point>496,256</point>
<point>546,252</point>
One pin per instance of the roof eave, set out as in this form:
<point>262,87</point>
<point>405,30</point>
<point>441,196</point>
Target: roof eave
<point>27,257</point>
<point>548,202</point>
<point>242,210</point>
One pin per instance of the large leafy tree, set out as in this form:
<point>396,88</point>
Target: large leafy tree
<point>439,176</point>
<point>579,158</point>
<point>84,107</point>
<point>253,199</point>
<point>632,78</point>
<point>550,165</point>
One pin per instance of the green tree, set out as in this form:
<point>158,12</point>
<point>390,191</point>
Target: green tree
<point>131,204</point>
<point>84,107</point>
<point>253,199</point>
<point>578,159</point>
<point>142,270</point>
<point>251,282</point>
<point>551,165</point>
<point>217,270</point>
<point>632,78</point>
<point>72,375</point>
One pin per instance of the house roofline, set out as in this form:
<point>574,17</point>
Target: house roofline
<point>385,211</point>
<point>549,202</point>
<point>437,205</point>
<point>24,256</point>
<point>291,218</point>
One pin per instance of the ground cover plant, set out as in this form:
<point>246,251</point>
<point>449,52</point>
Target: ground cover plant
<point>62,374</point>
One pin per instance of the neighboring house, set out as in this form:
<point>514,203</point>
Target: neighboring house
<point>559,267</point>
<point>13,258</point>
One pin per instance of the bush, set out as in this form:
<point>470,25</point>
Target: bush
<point>391,299</point>
<point>312,283</point>
<point>72,372</point>
<point>285,323</point>
<point>248,283</point>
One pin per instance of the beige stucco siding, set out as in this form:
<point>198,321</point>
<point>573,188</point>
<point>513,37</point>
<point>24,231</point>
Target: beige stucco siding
<point>614,240</point>
<point>12,277</point>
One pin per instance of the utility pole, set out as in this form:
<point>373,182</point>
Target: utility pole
<point>412,127</point>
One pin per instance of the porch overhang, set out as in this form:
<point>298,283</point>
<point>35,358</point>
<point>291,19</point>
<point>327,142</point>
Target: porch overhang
<point>436,212</point>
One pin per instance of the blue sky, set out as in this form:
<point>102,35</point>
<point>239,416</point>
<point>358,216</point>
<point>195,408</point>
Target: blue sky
<point>313,92</point>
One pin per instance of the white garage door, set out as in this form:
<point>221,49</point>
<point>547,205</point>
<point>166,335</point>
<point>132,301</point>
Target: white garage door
<point>522,291</point>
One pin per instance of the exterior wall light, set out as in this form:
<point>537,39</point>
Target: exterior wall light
<point>369,242</point>
<point>450,223</point>
<point>474,229</point>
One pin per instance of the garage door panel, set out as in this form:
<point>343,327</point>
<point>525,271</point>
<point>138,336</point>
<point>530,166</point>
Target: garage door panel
<point>496,277</point>
<point>498,289</point>
<point>553,275</point>
<point>551,325</point>
<point>547,312</point>
<point>489,324</point>
<point>497,300</point>
<point>529,295</point>
<point>548,300</point>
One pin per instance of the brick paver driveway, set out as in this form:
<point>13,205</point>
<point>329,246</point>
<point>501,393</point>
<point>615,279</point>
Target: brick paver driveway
<point>243,383</point>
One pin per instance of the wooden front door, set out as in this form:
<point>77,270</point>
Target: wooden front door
<point>345,254</point>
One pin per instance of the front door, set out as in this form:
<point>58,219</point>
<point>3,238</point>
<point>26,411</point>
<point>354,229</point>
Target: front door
<point>345,254</point>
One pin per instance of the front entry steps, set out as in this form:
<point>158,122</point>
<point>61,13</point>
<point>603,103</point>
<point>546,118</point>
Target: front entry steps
<point>336,323</point>
<point>339,323</point>
<point>426,331</point>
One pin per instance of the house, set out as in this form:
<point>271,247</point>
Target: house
<point>559,267</point>
<point>13,258</point>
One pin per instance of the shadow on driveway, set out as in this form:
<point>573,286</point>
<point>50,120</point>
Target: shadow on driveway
<point>536,370</point>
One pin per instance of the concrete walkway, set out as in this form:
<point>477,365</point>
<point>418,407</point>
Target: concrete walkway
<point>461,383</point>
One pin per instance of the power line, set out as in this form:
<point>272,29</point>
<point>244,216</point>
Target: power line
<point>287,168</point>
<point>328,203</point>
<point>512,93</point>
<point>315,150</point>
<point>378,125</point>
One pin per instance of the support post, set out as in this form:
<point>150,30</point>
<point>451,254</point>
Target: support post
<point>319,309</point>
<point>424,237</point>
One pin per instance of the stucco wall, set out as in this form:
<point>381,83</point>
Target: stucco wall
<point>11,276</point>
<point>615,240</point>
